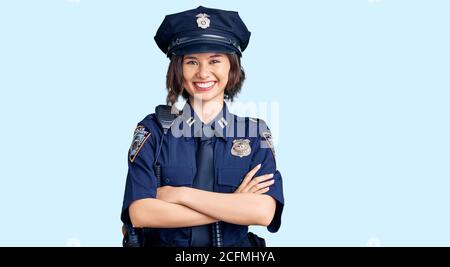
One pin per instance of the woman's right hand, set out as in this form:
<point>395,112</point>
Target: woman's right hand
<point>257,185</point>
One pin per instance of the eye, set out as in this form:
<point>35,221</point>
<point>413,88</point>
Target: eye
<point>191,62</point>
<point>214,61</point>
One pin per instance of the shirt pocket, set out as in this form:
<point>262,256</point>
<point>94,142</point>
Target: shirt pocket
<point>177,175</point>
<point>229,179</point>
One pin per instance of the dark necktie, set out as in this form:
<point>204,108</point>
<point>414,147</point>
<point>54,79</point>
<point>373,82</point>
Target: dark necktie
<point>204,180</point>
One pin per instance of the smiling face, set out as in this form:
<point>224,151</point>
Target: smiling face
<point>205,75</point>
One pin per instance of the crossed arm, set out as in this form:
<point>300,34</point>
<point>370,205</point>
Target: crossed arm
<point>185,207</point>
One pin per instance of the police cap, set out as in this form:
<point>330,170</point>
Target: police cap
<point>202,30</point>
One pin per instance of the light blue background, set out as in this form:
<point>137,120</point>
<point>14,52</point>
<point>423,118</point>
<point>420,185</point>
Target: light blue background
<point>363,140</point>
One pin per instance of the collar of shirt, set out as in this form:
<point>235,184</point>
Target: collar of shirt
<point>218,127</point>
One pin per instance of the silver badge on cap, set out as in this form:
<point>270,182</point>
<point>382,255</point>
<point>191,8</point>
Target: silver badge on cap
<point>241,148</point>
<point>202,20</point>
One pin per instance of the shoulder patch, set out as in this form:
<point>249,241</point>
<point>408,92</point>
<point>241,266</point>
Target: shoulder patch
<point>140,136</point>
<point>268,138</point>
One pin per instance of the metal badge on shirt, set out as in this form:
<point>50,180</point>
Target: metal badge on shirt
<point>140,136</point>
<point>241,148</point>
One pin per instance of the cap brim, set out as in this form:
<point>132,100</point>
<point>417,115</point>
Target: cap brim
<point>203,48</point>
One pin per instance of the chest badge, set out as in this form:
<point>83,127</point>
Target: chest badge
<point>241,148</point>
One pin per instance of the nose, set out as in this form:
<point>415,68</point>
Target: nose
<point>203,71</point>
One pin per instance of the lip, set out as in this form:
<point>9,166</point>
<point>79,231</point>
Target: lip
<point>204,89</point>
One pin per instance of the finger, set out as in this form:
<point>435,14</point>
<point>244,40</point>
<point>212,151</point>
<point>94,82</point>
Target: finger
<point>257,180</point>
<point>261,186</point>
<point>263,178</point>
<point>262,191</point>
<point>251,173</point>
<point>248,177</point>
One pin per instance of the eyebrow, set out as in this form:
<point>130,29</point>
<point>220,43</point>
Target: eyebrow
<point>213,56</point>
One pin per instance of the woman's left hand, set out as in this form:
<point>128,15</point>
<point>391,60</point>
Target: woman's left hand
<point>257,185</point>
<point>168,194</point>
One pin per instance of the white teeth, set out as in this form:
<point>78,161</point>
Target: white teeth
<point>204,85</point>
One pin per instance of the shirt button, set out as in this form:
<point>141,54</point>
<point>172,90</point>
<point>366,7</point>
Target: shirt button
<point>167,180</point>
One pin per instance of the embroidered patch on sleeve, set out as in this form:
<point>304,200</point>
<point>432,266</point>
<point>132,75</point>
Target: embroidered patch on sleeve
<point>140,136</point>
<point>269,143</point>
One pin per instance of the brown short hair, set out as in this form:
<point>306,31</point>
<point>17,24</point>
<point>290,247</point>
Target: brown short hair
<point>174,79</point>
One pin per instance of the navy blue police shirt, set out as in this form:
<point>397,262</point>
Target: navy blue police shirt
<point>240,144</point>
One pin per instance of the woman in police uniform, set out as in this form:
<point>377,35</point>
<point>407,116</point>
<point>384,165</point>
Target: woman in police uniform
<point>200,176</point>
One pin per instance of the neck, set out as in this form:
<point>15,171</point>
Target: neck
<point>206,110</point>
